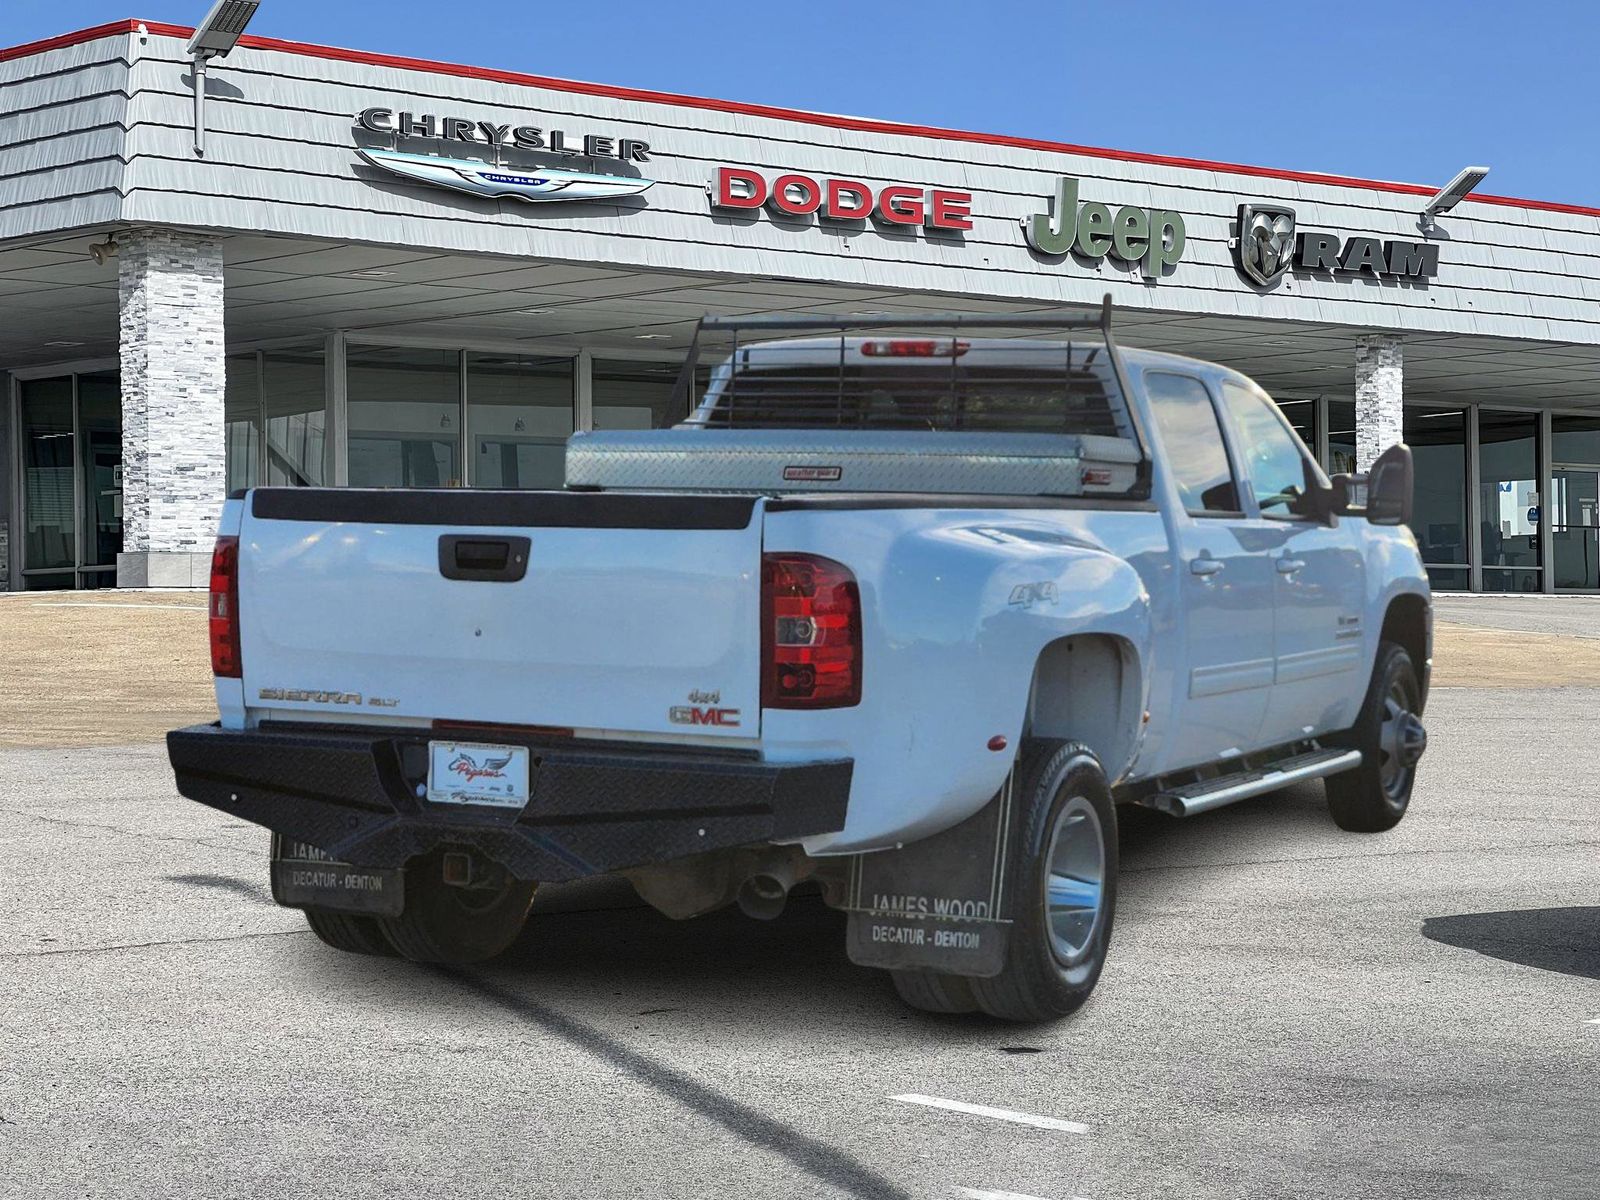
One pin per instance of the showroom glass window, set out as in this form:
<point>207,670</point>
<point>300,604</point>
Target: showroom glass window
<point>404,417</point>
<point>294,417</point>
<point>275,410</point>
<point>1575,502</point>
<point>1438,441</point>
<point>241,415</point>
<point>1508,492</point>
<point>1341,437</point>
<point>520,414</point>
<point>636,395</point>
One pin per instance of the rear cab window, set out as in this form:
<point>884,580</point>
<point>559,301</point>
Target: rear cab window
<point>1050,389</point>
<point>1191,436</point>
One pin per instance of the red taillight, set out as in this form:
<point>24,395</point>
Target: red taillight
<point>810,633</point>
<point>225,660</point>
<point>915,349</point>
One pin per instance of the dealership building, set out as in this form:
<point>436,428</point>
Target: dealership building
<point>360,270</point>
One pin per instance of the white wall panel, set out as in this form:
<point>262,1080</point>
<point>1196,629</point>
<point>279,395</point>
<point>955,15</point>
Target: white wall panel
<point>282,161</point>
<point>62,144</point>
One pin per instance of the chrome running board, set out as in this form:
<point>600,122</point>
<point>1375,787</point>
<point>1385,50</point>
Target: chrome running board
<point>1201,797</point>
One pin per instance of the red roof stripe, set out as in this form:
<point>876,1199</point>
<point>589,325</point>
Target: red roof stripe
<point>859,124</point>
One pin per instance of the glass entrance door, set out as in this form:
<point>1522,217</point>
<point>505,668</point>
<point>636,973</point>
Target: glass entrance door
<point>1575,525</point>
<point>100,477</point>
<point>49,541</point>
<point>70,444</point>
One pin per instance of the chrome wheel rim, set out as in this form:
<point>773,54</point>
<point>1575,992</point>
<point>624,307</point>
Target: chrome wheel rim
<point>1074,891</point>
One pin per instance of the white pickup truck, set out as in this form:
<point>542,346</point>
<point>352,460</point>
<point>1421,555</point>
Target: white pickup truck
<point>904,615</point>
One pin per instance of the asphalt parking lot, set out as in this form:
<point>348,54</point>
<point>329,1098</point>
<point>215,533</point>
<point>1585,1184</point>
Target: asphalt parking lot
<point>1289,1011</point>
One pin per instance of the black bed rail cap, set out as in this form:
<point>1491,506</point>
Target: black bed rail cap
<point>1099,318</point>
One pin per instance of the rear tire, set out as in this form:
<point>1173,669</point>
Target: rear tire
<point>934,992</point>
<point>453,925</point>
<point>1060,886</point>
<point>1374,796</point>
<point>350,932</point>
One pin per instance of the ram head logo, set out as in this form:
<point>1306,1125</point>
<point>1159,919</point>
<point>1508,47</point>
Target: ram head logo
<point>1265,245</point>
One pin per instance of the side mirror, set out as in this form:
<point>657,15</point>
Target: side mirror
<point>1389,487</point>
<point>1382,495</point>
<point>1349,495</point>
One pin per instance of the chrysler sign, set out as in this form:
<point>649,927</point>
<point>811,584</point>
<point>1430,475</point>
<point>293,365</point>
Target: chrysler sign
<point>494,181</point>
<point>487,133</point>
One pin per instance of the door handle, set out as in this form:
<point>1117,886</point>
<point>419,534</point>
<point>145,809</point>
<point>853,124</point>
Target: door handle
<point>1288,566</point>
<point>1205,567</point>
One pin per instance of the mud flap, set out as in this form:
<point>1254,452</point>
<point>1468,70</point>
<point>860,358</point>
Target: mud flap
<point>935,905</point>
<point>305,877</point>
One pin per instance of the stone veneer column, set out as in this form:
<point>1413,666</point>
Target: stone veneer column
<point>1380,379</point>
<point>174,471</point>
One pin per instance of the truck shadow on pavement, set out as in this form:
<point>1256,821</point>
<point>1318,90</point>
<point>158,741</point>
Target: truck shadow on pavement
<point>1552,939</point>
<point>823,1162</point>
<point>597,935</point>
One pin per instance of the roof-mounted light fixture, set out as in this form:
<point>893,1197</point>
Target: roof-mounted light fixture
<point>1452,194</point>
<point>218,34</point>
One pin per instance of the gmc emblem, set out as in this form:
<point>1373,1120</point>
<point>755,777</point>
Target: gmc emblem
<point>686,714</point>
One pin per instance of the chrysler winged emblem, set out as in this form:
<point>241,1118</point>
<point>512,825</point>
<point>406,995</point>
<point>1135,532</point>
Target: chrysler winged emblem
<point>1265,245</point>
<point>516,183</point>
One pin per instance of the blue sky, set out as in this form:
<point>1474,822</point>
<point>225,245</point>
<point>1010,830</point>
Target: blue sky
<point>1408,91</point>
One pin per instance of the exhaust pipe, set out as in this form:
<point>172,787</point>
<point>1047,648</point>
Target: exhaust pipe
<point>764,894</point>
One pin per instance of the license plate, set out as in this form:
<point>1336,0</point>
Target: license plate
<point>472,773</point>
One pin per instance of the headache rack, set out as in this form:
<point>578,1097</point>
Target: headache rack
<point>958,403</point>
<point>949,372</point>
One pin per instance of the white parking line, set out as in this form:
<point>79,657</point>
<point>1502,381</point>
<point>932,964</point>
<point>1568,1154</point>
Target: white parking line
<point>1596,1021</point>
<point>981,1194</point>
<point>999,1114</point>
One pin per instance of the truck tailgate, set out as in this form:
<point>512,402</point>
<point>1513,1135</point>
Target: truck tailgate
<point>632,614</point>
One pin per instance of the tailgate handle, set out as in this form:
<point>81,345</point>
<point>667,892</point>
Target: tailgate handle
<point>482,559</point>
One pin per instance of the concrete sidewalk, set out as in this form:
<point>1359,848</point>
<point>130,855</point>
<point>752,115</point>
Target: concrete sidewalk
<point>1569,616</point>
<point>117,667</point>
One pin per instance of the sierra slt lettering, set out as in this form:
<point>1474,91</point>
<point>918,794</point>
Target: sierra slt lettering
<point>794,195</point>
<point>1153,237</point>
<point>486,133</point>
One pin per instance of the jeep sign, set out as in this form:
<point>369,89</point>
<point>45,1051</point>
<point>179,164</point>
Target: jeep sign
<point>1151,237</point>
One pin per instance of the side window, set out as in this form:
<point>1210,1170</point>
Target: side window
<point>1192,439</point>
<point>1269,454</point>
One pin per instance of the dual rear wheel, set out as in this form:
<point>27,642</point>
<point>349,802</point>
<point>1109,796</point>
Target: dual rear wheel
<point>440,923</point>
<point>1062,878</point>
<point>1061,895</point>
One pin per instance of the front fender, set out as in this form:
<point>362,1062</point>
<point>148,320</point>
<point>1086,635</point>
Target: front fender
<point>957,608</point>
<point>1394,569</point>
